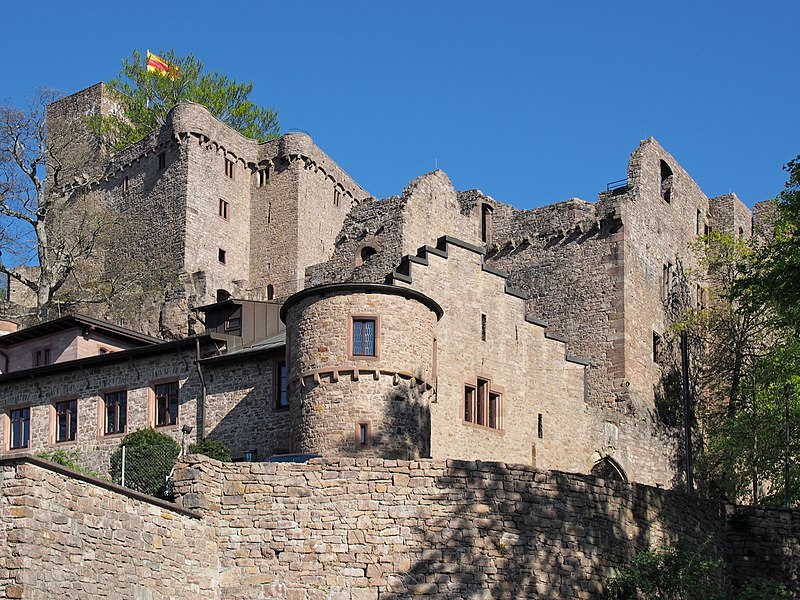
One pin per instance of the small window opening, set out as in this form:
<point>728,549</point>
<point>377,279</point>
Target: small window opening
<point>223,209</point>
<point>270,292</point>
<point>486,223</point>
<point>125,184</point>
<point>699,222</point>
<point>480,408</point>
<point>221,256</point>
<point>666,182</point>
<point>539,428</point>
<point>222,295</point>
<point>494,406</point>
<point>281,397</point>
<point>483,327</point>
<point>364,434</point>
<point>666,280</point>
<point>233,324</point>
<point>367,252</point>
<point>336,196</point>
<point>469,404</point>
<point>102,351</point>
<point>707,230</point>
<point>263,177</point>
<point>741,232</point>
<point>656,347</point>
<point>230,168</point>
<point>162,161</point>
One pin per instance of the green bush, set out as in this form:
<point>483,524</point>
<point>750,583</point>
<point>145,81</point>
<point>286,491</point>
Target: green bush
<point>213,449</point>
<point>672,573</point>
<point>64,458</point>
<point>149,458</point>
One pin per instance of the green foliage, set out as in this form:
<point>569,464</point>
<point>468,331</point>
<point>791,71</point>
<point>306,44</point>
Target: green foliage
<point>149,458</point>
<point>672,573</point>
<point>147,97</point>
<point>763,589</point>
<point>212,448</point>
<point>69,459</point>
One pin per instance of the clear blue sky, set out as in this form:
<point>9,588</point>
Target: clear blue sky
<point>532,102</point>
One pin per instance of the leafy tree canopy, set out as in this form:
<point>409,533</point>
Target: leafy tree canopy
<point>147,96</point>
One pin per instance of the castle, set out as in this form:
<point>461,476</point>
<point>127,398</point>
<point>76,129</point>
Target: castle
<point>303,315</point>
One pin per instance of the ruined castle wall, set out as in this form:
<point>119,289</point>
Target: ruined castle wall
<point>333,392</point>
<point>375,224</point>
<point>568,259</point>
<point>658,234</point>
<point>64,537</point>
<point>529,371</point>
<point>729,214</point>
<point>432,210</point>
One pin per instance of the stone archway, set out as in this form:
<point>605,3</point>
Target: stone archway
<point>609,469</point>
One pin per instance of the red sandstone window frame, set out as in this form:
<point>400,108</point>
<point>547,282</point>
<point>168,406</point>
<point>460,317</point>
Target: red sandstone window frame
<point>155,404</point>
<point>483,404</point>
<point>363,437</point>
<point>8,425</point>
<point>102,415</point>
<point>68,411</point>
<point>377,337</point>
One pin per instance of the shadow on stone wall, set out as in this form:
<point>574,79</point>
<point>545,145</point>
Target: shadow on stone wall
<point>521,533</point>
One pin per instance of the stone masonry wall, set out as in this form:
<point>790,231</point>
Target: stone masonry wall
<point>64,537</point>
<point>372,528</point>
<point>239,404</point>
<point>333,392</point>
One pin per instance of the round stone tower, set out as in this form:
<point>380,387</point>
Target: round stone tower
<point>361,369</point>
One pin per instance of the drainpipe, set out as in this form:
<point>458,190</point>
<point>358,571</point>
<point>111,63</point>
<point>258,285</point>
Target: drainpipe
<point>201,406</point>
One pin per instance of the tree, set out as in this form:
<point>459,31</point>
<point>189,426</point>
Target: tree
<point>147,97</point>
<point>148,459</point>
<point>38,225</point>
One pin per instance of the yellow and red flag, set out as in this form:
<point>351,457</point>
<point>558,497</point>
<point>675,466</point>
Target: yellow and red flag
<point>160,66</point>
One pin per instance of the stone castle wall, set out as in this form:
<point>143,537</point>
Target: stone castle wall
<point>333,393</point>
<point>64,537</point>
<point>362,529</point>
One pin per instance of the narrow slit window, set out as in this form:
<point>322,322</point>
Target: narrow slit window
<point>221,255</point>
<point>230,168</point>
<point>281,398</point>
<point>493,412</point>
<point>162,161</point>
<point>483,327</point>
<point>486,223</point>
<point>223,209</point>
<point>336,196</point>
<point>656,347</point>
<point>480,406</point>
<point>539,428</point>
<point>469,404</point>
<point>125,184</point>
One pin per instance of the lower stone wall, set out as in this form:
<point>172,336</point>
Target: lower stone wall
<point>361,529</point>
<point>68,537</point>
<point>390,529</point>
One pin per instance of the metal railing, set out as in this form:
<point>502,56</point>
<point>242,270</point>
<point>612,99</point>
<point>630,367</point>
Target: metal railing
<point>616,185</point>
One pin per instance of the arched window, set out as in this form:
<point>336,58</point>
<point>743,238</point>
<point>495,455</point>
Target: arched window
<point>486,223</point>
<point>609,469</point>
<point>270,292</point>
<point>223,295</point>
<point>367,252</point>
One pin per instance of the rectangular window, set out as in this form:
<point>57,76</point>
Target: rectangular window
<point>540,428</point>
<point>699,229</point>
<point>363,434</point>
<point>281,398</point>
<point>486,223</point>
<point>469,404</point>
<point>230,168</point>
<point>221,256</point>
<point>223,209</point>
<point>482,405</point>
<point>41,357</point>
<point>166,404</point>
<point>263,177</point>
<point>233,324</point>
<point>666,281</point>
<point>483,327</point>
<point>162,161</point>
<point>656,347</point>
<point>66,420</point>
<point>336,196</point>
<point>116,415</point>
<point>364,337</point>
<point>125,184</point>
<point>20,427</point>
